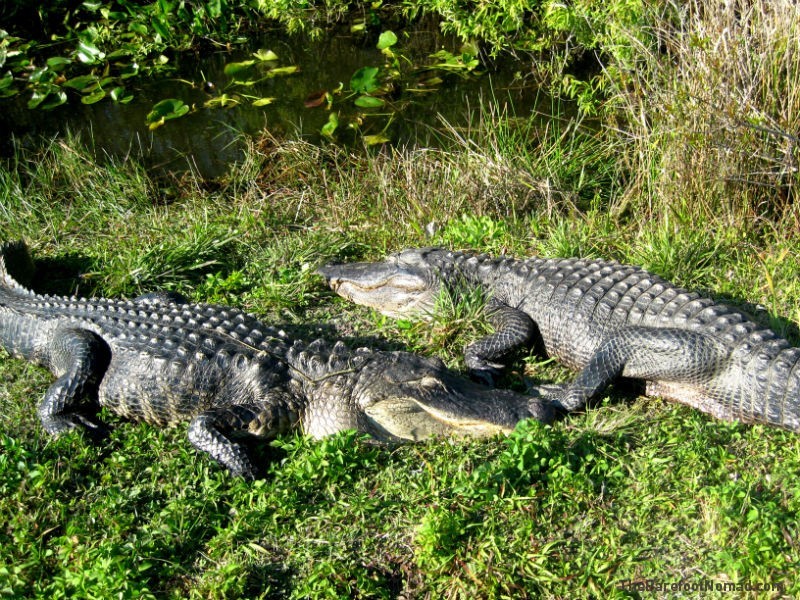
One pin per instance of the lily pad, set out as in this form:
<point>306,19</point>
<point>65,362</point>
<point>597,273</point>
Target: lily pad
<point>130,70</point>
<point>94,96</point>
<point>164,111</point>
<point>121,95</point>
<point>280,71</point>
<point>6,80</point>
<point>265,55</point>
<point>222,101</point>
<point>88,53</point>
<point>239,70</point>
<point>368,102</point>
<point>80,83</point>
<point>47,99</point>
<point>386,40</point>
<point>58,63</point>
<point>365,80</point>
<point>7,88</point>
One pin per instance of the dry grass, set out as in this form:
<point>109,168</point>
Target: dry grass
<point>712,120</point>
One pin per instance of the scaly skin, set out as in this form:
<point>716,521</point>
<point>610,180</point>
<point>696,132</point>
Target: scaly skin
<point>603,319</point>
<point>162,360</point>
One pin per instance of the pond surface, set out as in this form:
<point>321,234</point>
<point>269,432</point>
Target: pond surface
<point>304,88</point>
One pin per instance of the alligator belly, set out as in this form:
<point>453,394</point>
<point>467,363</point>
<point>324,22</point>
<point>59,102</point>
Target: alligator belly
<point>693,396</point>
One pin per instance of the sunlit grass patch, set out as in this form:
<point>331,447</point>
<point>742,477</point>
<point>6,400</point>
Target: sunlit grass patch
<point>631,490</point>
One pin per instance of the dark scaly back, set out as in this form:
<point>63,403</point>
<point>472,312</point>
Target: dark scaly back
<point>158,328</point>
<point>328,376</point>
<point>167,360</point>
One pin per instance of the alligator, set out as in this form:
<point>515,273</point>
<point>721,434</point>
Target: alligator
<point>163,360</point>
<point>603,319</point>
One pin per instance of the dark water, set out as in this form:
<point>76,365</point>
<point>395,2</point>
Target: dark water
<point>208,139</point>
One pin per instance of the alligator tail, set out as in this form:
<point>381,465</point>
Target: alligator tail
<point>16,266</point>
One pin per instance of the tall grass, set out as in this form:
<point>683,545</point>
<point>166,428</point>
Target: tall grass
<point>713,119</point>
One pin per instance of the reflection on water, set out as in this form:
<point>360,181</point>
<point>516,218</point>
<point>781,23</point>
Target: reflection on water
<point>208,139</point>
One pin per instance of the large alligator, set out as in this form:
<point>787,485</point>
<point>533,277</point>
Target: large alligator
<point>601,318</point>
<point>162,360</point>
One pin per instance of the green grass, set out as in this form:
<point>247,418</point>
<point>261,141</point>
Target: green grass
<point>635,490</point>
<point>695,184</point>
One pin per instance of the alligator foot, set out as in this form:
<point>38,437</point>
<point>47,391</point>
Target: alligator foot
<point>563,397</point>
<point>93,428</point>
<point>88,425</point>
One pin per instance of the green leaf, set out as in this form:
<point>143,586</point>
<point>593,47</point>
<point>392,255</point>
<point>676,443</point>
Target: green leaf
<point>330,127</point>
<point>365,80</point>
<point>118,53</point>
<point>222,101</point>
<point>265,55</point>
<point>130,70</point>
<point>386,40</point>
<point>119,94</point>
<point>138,28</point>
<point>161,27</point>
<point>263,101</point>
<point>88,53</point>
<point>368,102</point>
<point>239,70</point>
<point>94,96</point>
<point>56,98</point>
<point>372,140</point>
<point>164,111</point>
<point>80,82</point>
<point>58,63</point>
<point>280,71</point>
<point>37,98</point>
<point>6,81</point>
<point>470,49</point>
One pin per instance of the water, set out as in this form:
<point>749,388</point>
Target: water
<point>208,139</point>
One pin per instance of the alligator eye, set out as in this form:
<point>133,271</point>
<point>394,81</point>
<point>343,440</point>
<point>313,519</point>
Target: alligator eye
<point>430,382</point>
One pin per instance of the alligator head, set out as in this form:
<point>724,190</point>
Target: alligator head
<point>402,285</point>
<point>403,396</point>
<point>413,397</point>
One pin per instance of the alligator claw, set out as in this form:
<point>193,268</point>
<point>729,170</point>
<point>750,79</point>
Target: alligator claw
<point>556,395</point>
<point>95,430</point>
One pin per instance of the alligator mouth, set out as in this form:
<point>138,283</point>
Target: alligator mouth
<point>390,288</point>
<point>366,276</point>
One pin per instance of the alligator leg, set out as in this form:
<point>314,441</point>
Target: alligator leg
<point>674,355</point>
<point>212,431</point>
<point>514,329</point>
<point>79,358</point>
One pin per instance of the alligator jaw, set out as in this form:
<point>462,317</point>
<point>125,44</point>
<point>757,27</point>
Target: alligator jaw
<point>391,287</point>
<point>412,397</point>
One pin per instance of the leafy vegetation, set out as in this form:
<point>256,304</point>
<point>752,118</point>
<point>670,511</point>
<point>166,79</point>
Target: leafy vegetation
<point>95,48</point>
<point>692,183</point>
